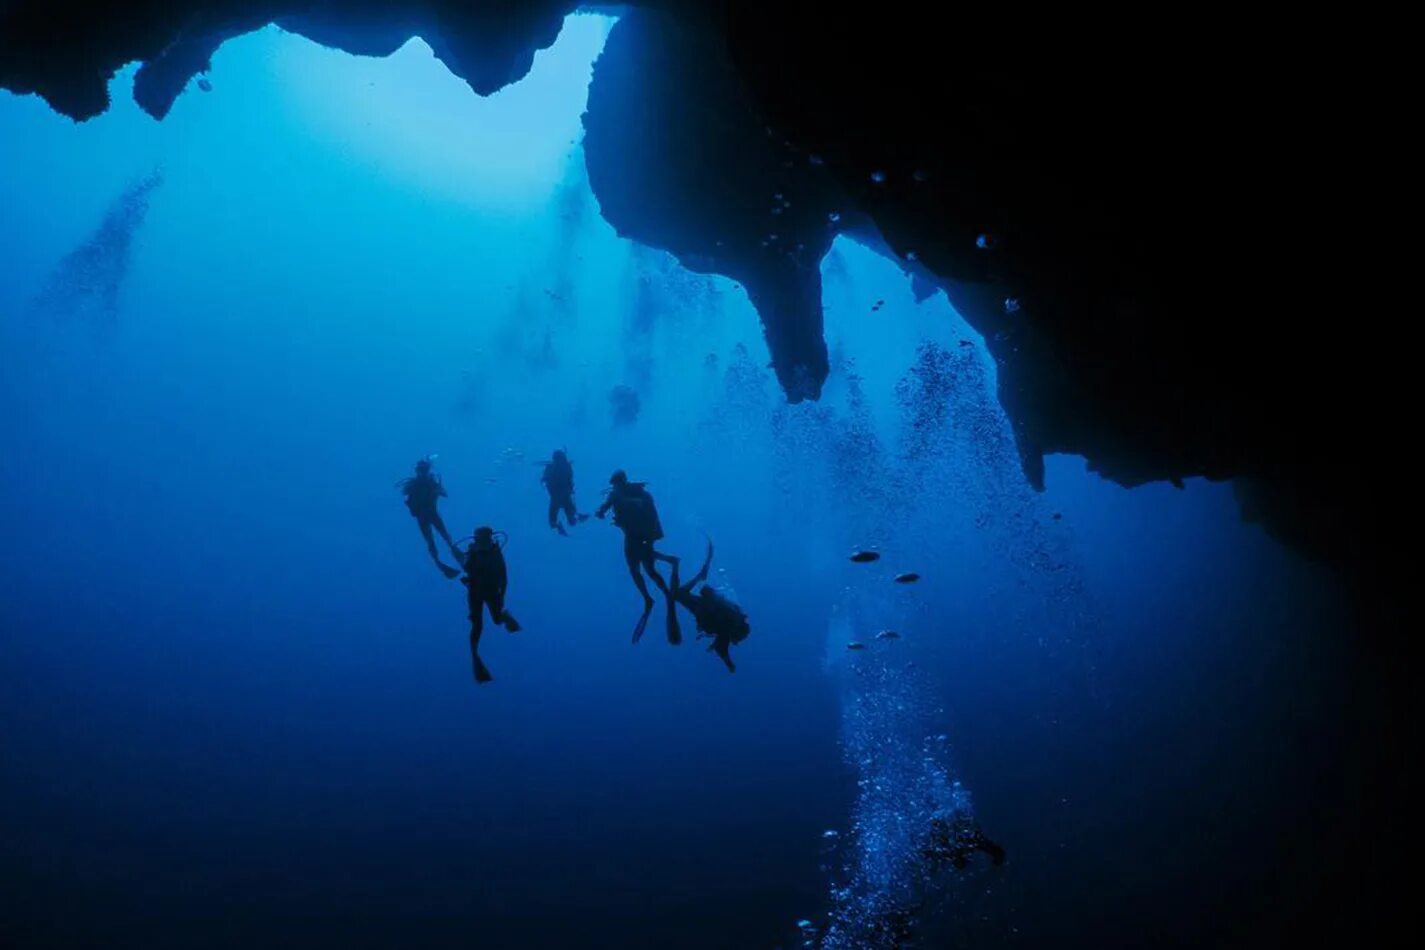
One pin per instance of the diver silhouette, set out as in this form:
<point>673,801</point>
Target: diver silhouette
<point>558,480</point>
<point>486,579</point>
<point>636,514</point>
<point>955,840</point>
<point>423,492</point>
<point>716,616</point>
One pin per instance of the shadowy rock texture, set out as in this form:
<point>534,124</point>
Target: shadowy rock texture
<point>1109,202</point>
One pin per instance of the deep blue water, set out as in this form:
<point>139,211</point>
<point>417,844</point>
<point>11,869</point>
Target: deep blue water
<point>236,704</point>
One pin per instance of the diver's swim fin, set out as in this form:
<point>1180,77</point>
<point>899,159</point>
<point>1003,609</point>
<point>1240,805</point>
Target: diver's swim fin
<point>510,623</point>
<point>675,633</point>
<point>482,673</point>
<point>642,625</point>
<point>451,573</point>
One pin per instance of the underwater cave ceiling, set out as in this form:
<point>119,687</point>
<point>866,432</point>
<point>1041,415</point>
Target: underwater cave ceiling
<point>1108,180</point>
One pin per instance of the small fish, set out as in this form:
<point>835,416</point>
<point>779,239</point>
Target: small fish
<point>855,645</point>
<point>966,343</point>
<point>865,557</point>
<point>204,85</point>
<point>1058,516</point>
<point>888,635</point>
<point>910,577</point>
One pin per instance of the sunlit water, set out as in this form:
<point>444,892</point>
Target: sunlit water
<point>236,700</point>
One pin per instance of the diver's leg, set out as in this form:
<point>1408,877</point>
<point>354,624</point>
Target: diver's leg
<point>502,616</point>
<point>445,569</point>
<point>652,569</point>
<point>675,632</point>
<point>637,576</point>
<point>425,526</point>
<point>477,624</point>
<point>439,523</point>
<point>634,558</point>
<point>554,515</point>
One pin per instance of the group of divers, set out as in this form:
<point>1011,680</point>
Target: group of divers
<point>483,571</point>
<point>951,840</point>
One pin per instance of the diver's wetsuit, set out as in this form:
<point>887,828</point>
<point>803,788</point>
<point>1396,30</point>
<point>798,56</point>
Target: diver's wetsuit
<point>423,493</point>
<point>714,615</point>
<point>558,478</point>
<point>954,841</point>
<point>636,514</point>
<point>486,579</point>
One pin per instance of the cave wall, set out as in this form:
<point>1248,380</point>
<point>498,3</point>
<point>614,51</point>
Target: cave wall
<point>1130,178</point>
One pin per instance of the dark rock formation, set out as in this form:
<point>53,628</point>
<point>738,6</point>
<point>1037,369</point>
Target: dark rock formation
<point>1176,200</point>
<point>1140,191</point>
<point>68,51</point>
<point>701,177</point>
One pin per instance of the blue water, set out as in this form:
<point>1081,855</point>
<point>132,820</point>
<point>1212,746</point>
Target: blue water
<point>236,704</point>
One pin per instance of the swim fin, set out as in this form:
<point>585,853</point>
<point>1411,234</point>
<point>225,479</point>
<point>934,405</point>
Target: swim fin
<point>511,624</point>
<point>642,625</point>
<point>675,633</point>
<point>451,573</point>
<point>482,673</point>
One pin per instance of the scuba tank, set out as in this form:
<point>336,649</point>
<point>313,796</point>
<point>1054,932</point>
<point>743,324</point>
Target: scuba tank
<point>484,549</point>
<point>635,512</point>
<point>726,618</point>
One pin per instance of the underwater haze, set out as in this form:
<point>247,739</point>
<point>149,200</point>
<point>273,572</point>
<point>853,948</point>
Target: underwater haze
<point>236,699</point>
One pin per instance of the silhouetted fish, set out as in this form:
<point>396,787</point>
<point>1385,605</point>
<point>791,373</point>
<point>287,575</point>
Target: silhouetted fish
<point>855,645</point>
<point>865,557</point>
<point>888,635</point>
<point>204,85</point>
<point>910,577</point>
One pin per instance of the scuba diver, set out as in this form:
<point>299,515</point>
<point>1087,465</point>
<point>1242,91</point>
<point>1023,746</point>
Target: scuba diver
<point>955,840</point>
<point>716,616</point>
<point>635,513</point>
<point>558,480</point>
<point>423,492</point>
<point>486,579</point>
